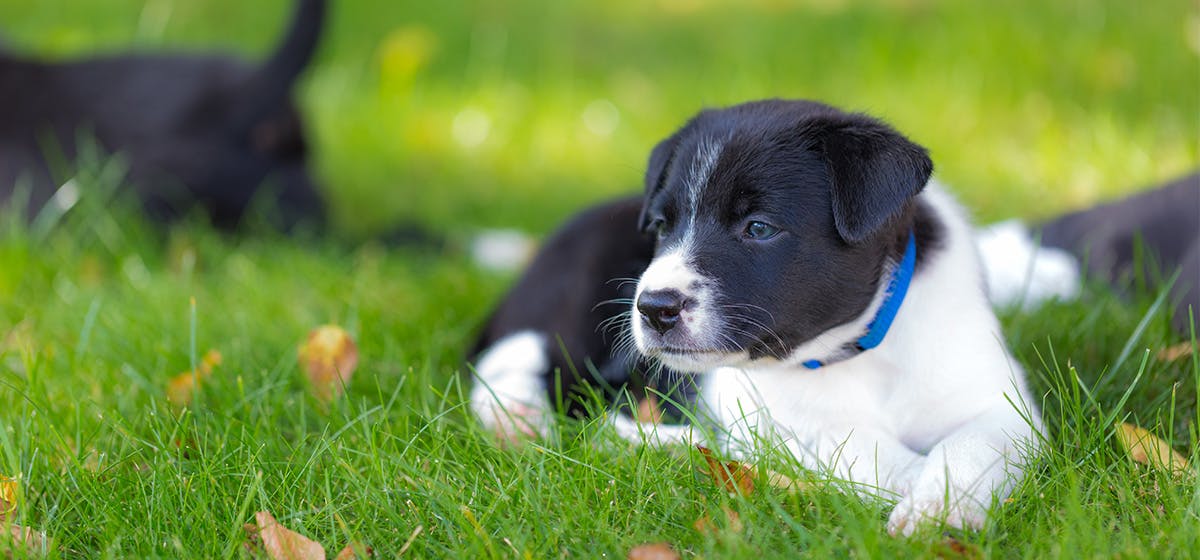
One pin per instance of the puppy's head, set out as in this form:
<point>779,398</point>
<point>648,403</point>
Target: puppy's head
<point>776,221</point>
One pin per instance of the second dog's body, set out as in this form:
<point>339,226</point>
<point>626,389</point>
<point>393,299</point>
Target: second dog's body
<point>193,130</point>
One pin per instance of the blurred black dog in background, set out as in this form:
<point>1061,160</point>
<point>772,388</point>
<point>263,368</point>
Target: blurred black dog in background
<point>1164,221</point>
<point>204,130</point>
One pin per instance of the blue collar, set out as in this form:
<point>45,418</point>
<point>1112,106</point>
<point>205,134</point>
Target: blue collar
<point>897,288</point>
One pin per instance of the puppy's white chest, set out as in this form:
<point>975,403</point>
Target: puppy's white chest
<point>796,402</point>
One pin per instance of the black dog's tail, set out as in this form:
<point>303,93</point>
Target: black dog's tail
<point>268,88</point>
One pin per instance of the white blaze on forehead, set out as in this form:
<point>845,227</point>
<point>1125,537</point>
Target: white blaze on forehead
<point>670,271</point>
<point>673,269</point>
<point>707,151</point>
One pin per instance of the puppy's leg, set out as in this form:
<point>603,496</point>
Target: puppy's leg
<point>964,470</point>
<point>509,396</point>
<point>844,441</point>
<point>1018,270</point>
<point>874,461</point>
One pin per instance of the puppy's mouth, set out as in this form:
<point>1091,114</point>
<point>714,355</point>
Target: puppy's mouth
<point>693,360</point>
<point>684,351</point>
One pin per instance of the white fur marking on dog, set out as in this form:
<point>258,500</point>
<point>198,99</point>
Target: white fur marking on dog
<point>707,152</point>
<point>1020,272</point>
<point>509,396</point>
<point>669,271</point>
<point>672,270</point>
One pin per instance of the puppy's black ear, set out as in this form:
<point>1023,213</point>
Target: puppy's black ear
<point>875,171</point>
<point>656,174</point>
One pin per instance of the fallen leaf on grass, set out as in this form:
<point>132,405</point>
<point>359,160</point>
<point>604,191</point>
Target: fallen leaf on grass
<point>739,477</point>
<point>1176,351</point>
<point>355,550</point>
<point>783,481</point>
<point>279,542</point>
<point>328,358</point>
<point>953,548</point>
<point>652,551</point>
<point>707,526</point>
<point>8,498</point>
<point>1146,448</point>
<point>182,387</point>
<point>17,537</point>
<point>730,475</point>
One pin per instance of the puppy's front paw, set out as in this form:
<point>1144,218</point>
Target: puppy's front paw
<point>509,397</point>
<point>513,421</point>
<point>929,507</point>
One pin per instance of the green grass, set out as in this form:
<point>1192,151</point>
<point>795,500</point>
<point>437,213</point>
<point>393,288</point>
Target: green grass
<point>1029,108</point>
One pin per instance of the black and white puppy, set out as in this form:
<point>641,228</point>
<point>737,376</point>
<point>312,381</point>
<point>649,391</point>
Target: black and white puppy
<point>831,295</point>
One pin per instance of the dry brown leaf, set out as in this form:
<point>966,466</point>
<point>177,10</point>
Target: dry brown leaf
<point>211,360</point>
<point>1176,351</point>
<point>253,542</point>
<point>705,524</point>
<point>328,358</point>
<point>648,410</point>
<point>352,551</point>
<point>24,538</point>
<point>652,551</point>
<point>953,548</point>
<point>281,543</point>
<point>734,476</point>
<point>730,475</point>
<point>182,387</point>
<point>783,481</point>
<point>1146,448</point>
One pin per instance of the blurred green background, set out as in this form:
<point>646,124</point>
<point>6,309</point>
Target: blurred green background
<point>489,113</point>
<point>467,114</point>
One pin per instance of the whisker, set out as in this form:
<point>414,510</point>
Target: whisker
<point>618,323</point>
<point>770,333</point>
<point>622,280</point>
<point>616,317</point>
<point>614,301</point>
<point>767,330</point>
<point>752,307</point>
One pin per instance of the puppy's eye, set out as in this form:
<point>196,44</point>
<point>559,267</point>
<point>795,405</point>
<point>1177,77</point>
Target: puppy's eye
<point>760,231</point>
<point>659,228</point>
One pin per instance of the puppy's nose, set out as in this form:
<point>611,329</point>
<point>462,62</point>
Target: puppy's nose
<point>661,308</point>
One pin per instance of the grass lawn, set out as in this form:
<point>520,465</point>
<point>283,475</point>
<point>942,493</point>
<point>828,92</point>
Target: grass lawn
<point>472,114</point>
